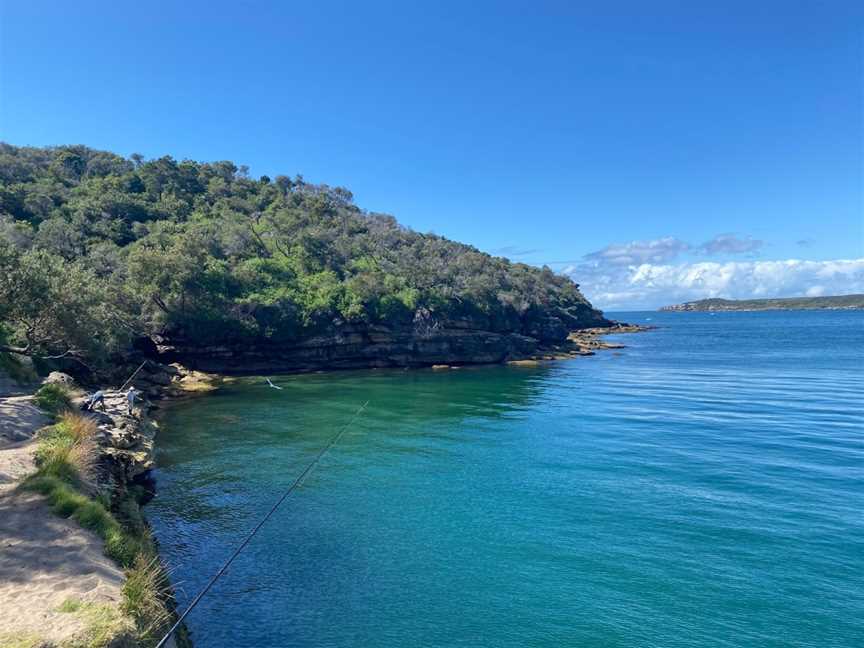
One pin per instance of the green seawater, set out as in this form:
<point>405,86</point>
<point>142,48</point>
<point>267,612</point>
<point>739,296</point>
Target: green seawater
<point>702,487</point>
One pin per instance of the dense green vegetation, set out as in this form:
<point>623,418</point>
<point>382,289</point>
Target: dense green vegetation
<point>97,249</point>
<point>785,303</point>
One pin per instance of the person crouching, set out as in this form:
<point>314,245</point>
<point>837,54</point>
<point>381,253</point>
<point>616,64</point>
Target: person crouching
<point>96,399</point>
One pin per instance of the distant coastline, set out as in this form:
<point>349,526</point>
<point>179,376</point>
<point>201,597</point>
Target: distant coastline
<point>836,302</point>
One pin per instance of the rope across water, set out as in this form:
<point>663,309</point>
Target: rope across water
<point>296,484</point>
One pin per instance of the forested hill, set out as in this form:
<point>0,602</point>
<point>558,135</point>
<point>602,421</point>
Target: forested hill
<point>786,303</point>
<point>98,251</point>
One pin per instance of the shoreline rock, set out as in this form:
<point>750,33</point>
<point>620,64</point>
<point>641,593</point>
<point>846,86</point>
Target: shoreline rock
<point>425,342</point>
<point>590,339</point>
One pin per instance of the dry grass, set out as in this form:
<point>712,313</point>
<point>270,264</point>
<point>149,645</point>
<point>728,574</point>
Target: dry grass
<point>78,426</point>
<point>84,453</point>
<point>69,450</point>
<point>16,640</point>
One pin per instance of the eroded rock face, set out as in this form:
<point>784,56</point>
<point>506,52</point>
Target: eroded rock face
<point>426,341</point>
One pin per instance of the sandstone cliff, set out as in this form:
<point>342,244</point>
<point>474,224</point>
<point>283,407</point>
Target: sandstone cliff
<point>427,340</point>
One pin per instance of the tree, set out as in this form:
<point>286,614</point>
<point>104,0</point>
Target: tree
<point>97,249</point>
<point>52,308</point>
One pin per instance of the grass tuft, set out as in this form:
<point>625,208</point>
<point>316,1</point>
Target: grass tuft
<point>94,517</point>
<point>65,502</point>
<point>54,398</point>
<point>17,640</point>
<point>68,450</point>
<point>78,426</point>
<point>104,625</point>
<point>144,595</point>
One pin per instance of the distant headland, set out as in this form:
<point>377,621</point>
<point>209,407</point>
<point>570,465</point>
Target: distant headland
<point>835,302</point>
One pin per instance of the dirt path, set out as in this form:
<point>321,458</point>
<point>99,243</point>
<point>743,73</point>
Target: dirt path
<point>19,419</point>
<point>44,559</point>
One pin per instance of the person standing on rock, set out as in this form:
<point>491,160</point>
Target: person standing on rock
<point>131,397</point>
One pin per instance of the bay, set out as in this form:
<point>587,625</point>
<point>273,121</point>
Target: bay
<point>703,486</point>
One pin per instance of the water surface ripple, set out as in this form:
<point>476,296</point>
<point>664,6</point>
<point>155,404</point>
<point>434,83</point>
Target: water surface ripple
<point>701,487</point>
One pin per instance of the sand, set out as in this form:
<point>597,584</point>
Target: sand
<point>44,559</point>
<point>19,419</point>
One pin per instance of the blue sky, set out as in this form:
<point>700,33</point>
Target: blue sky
<point>595,137</point>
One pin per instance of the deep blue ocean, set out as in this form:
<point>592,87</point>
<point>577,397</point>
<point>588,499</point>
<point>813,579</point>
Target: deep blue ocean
<point>702,487</point>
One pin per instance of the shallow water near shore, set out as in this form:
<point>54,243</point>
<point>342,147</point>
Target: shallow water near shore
<point>704,486</point>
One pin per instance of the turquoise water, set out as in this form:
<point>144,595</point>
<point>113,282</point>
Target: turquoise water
<point>703,487</point>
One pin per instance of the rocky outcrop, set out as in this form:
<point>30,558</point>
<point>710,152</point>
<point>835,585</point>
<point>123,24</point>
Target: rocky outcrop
<point>591,339</point>
<point>426,341</point>
<point>126,441</point>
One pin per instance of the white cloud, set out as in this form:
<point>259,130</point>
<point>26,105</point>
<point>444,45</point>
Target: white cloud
<point>666,249</point>
<point>730,244</point>
<point>615,286</point>
<point>656,251</point>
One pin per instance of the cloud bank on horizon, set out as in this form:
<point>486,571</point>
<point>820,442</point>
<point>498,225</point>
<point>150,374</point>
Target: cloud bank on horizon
<point>644,274</point>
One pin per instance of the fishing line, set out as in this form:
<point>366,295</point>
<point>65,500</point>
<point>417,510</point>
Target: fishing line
<point>134,373</point>
<point>297,482</point>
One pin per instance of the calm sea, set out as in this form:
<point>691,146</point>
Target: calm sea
<point>702,487</point>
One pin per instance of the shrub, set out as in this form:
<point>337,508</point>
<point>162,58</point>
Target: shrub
<point>54,398</point>
<point>200,250</point>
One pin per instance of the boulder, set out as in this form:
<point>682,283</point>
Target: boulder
<point>59,378</point>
